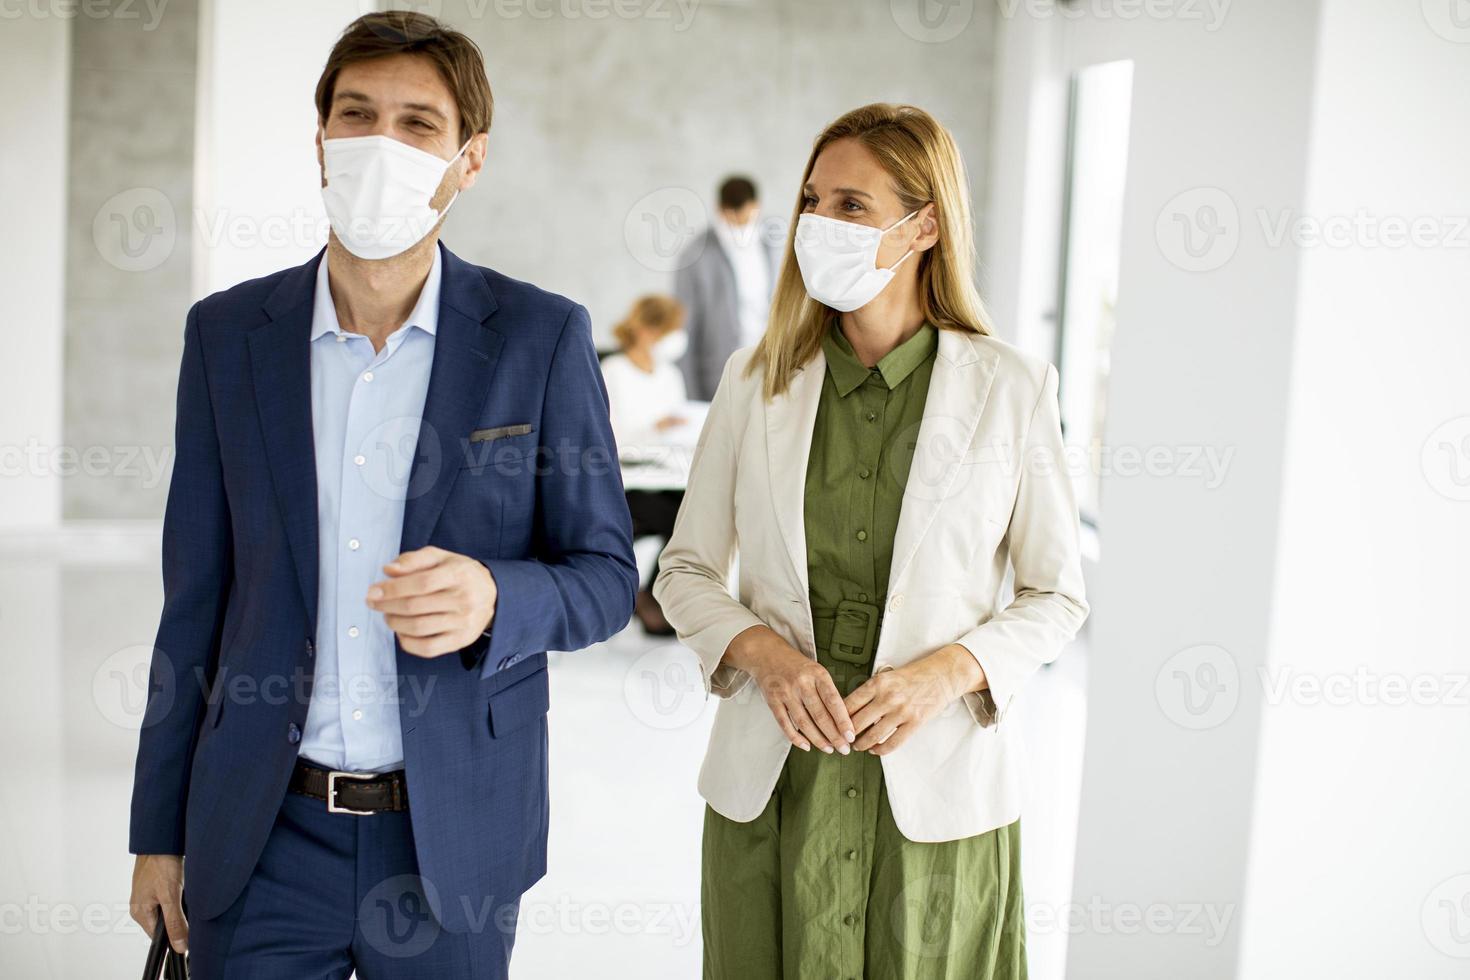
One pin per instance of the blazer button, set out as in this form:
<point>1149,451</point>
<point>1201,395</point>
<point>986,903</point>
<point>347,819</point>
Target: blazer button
<point>504,663</point>
<point>293,734</point>
<point>310,647</point>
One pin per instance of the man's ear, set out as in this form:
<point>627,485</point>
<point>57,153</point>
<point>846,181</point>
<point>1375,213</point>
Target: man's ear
<point>474,160</point>
<point>321,160</point>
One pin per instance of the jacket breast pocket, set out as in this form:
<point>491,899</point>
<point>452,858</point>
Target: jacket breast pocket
<point>520,704</point>
<point>501,449</point>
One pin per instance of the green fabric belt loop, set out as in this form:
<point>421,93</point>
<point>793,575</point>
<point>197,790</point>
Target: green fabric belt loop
<point>851,634</point>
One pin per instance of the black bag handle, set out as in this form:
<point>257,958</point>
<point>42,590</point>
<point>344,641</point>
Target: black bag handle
<point>163,963</point>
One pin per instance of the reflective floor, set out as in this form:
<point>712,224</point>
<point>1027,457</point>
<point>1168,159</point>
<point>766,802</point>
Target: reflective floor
<point>78,609</point>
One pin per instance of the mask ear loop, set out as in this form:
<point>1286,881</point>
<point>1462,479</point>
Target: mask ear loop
<point>886,231</point>
<point>456,190</point>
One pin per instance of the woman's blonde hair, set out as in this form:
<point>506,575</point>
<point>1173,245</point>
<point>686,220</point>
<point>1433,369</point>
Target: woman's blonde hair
<point>920,156</point>
<point>662,313</point>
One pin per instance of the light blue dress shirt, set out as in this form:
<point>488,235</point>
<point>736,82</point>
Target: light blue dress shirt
<point>366,408</point>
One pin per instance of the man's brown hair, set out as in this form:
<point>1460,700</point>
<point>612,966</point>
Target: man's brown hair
<point>405,32</point>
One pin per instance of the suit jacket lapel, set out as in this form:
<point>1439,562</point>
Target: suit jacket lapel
<point>958,388</point>
<point>790,418</point>
<point>280,364</point>
<point>465,354</point>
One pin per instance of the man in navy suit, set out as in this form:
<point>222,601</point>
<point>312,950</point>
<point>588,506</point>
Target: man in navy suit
<point>395,488</point>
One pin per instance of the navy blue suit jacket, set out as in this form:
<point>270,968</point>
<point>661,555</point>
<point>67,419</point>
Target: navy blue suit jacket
<point>232,665</point>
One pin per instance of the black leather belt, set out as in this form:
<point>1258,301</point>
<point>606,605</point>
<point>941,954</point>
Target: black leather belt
<point>351,792</point>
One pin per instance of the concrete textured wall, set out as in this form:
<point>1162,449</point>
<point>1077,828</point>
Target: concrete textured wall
<point>614,123</point>
<point>611,133</point>
<point>129,193</point>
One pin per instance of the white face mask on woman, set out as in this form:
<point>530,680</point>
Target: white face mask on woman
<point>378,192</point>
<point>839,260</point>
<point>671,346</point>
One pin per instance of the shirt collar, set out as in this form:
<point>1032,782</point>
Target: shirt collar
<point>424,315</point>
<point>732,239</point>
<point>848,372</point>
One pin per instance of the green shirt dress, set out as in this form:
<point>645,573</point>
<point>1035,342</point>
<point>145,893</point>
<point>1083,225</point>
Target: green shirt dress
<point>822,885</point>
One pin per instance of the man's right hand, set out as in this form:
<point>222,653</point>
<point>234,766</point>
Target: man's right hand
<point>798,690</point>
<point>158,883</point>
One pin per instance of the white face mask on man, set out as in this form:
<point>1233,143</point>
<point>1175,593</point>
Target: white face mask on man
<point>378,192</point>
<point>839,260</point>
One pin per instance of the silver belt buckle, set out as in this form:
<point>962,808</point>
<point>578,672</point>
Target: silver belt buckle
<point>332,778</point>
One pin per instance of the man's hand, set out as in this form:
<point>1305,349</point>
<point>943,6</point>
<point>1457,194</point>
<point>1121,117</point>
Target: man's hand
<point>437,602</point>
<point>158,883</point>
<point>892,704</point>
<point>797,689</point>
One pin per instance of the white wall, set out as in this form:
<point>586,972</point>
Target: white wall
<point>35,58</point>
<point>1199,365</point>
<point>1021,236</point>
<point>1227,830</point>
<point>1183,593</point>
<point>257,185</point>
<point>1360,856</point>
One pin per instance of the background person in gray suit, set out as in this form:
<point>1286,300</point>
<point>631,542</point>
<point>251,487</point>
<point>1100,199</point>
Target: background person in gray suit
<point>724,280</point>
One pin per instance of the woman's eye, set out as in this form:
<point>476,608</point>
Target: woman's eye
<point>851,205</point>
<point>808,202</point>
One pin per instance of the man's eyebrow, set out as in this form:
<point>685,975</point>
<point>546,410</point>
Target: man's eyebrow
<point>424,107</point>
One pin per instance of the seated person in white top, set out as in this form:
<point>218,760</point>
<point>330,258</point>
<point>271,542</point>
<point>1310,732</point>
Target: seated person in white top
<point>647,399</point>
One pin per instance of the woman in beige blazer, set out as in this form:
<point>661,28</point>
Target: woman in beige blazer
<point>878,463</point>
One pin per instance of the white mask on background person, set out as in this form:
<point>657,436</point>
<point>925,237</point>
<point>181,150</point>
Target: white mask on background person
<point>378,192</point>
<point>671,346</point>
<point>839,260</point>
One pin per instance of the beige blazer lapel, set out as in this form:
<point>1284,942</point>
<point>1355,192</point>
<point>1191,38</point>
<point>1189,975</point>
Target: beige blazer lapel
<point>958,389</point>
<point>790,418</point>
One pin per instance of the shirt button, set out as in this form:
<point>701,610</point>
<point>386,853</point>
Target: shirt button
<point>352,632</point>
<point>851,792</point>
<point>310,647</point>
<point>896,602</point>
<point>852,855</point>
<point>341,338</point>
<point>357,715</point>
<point>872,416</point>
<point>367,376</point>
<point>354,544</point>
<point>862,535</point>
<point>359,459</point>
<point>293,734</point>
<point>864,473</point>
<point>862,597</point>
<point>849,919</point>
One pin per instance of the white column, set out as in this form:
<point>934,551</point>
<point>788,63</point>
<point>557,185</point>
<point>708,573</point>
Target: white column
<point>1360,856</point>
<point>258,206</point>
<point>1191,491</point>
<point>35,65</point>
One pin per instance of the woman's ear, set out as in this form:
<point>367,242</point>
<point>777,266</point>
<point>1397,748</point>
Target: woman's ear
<point>928,221</point>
